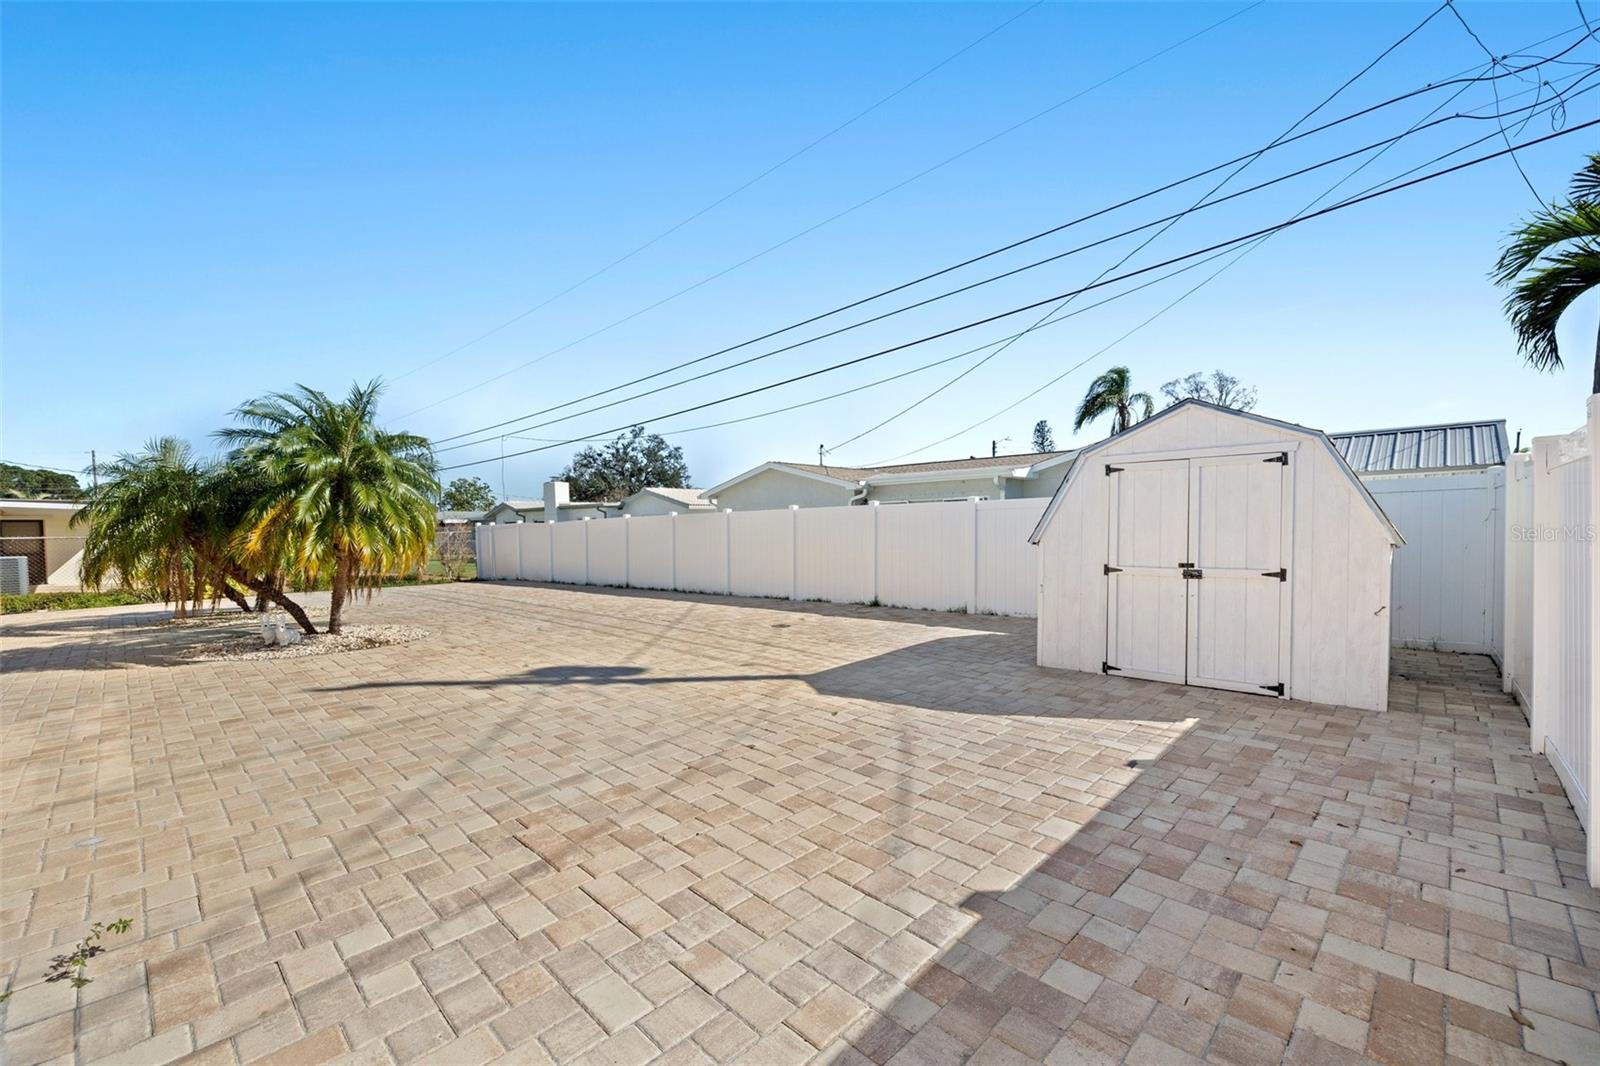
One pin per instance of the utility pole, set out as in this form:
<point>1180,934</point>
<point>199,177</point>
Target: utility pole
<point>994,448</point>
<point>94,474</point>
<point>820,452</point>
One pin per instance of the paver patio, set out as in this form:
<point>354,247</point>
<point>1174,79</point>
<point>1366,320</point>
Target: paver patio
<point>603,826</point>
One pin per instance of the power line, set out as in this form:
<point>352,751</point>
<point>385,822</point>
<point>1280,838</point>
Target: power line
<point>1171,222</point>
<point>1213,276</point>
<point>1167,219</point>
<point>725,197</point>
<point>1453,80</point>
<point>1231,242</point>
<point>1551,109</point>
<point>858,205</point>
<point>1494,62</point>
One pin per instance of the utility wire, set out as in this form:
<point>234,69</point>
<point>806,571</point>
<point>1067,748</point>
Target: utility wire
<point>1551,109</point>
<point>1171,222</point>
<point>1168,219</point>
<point>1453,80</point>
<point>1494,62</point>
<point>858,205</point>
<point>1231,242</point>
<point>725,197</point>
<point>1248,249</point>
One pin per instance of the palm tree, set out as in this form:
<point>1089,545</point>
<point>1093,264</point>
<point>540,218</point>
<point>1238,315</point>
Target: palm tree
<point>341,495</point>
<point>1112,392</point>
<point>164,520</point>
<point>1551,260</point>
<point>142,524</point>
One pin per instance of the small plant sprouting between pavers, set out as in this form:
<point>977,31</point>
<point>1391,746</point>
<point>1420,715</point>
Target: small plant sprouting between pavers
<point>74,965</point>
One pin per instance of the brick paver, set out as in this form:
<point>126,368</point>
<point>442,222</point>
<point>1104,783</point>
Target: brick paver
<point>601,826</point>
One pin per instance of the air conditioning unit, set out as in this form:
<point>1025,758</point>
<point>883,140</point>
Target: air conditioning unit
<point>14,575</point>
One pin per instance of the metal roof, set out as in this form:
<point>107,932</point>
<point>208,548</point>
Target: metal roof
<point>1451,446</point>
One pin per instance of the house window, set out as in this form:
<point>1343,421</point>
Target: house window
<point>25,537</point>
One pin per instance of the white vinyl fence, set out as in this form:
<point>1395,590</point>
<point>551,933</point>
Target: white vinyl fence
<point>1449,580</point>
<point>971,555</point>
<point>1551,636</point>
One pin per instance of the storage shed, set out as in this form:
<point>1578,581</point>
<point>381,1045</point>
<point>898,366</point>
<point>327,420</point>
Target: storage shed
<point>1207,546</point>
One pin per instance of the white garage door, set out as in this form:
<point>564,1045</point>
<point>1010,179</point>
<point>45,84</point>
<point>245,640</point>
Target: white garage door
<point>1197,584</point>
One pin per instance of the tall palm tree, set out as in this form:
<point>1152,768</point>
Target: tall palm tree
<point>1113,392</point>
<point>1551,260</point>
<point>342,496</point>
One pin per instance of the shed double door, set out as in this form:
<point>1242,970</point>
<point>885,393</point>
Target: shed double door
<point>1197,590</point>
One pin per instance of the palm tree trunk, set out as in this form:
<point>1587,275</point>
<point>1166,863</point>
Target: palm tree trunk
<point>341,591</point>
<point>235,596</point>
<point>268,591</point>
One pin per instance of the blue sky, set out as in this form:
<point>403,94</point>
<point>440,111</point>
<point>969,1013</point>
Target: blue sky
<point>207,202</point>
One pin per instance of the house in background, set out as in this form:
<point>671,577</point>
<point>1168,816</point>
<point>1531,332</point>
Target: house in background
<point>557,506</point>
<point>665,501</point>
<point>1003,477</point>
<point>40,531</point>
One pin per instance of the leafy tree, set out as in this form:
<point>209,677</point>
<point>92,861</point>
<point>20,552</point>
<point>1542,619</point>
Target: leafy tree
<point>631,462</point>
<point>1043,439</point>
<point>1550,260</point>
<point>1221,388</point>
<point>338,494</point>
<point>1112,393</point>
<point>467,494</point>
<point>22,483</point>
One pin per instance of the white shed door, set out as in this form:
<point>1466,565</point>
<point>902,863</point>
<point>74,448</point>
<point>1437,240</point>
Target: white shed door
<point>1195,571</point>
<point>1147,631</point>
<point>1236,615</point>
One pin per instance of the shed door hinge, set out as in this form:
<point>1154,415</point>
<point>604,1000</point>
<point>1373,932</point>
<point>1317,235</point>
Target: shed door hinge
<point>1112,569</point>
<point>1112,470</point>
<point>1281,575</point>
<point>1281,457</point>
<point>1275,689</point>
<point>1107,668</point>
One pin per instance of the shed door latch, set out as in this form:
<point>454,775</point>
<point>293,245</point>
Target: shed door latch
<point>1191,573</point>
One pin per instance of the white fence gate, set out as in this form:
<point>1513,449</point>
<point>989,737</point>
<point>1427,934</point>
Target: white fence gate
<point>1552,641</point>
<point>1449,577</point>
<point>968,556</point>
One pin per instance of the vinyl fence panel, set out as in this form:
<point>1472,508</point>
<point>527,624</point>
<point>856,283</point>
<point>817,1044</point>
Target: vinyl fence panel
<point>761,552</point>
<point>1448,581</point>
<point>926,554</point>
<point>608,551</point>
<point>1564,708</point>
<point>571,552</point>
<point>1008,577</point>
<point>1518,671</point>
<point>650,551</point>
<point>702,552</point>
<point>836,554</point>
<point>505,551</point>
<point>533,539</point>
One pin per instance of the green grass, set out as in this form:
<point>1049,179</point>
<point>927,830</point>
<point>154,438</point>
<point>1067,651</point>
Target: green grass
<point>73,601</point>
<point>469,572</point>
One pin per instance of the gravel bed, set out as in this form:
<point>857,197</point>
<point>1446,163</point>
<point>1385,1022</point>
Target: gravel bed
<point>239,639</point>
